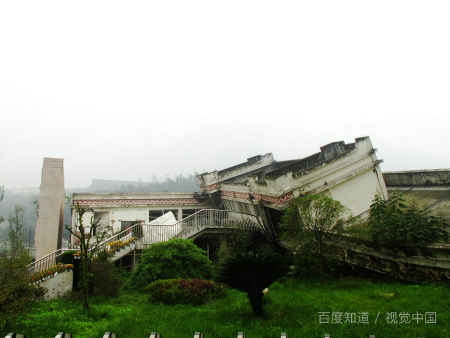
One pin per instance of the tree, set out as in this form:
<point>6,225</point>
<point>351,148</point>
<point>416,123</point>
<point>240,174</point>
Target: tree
<point>393,223</point>
<point>2,195</point>
<point>15,293</point>
<point>176,258</point>
<point>15,231</point>
<point>315,221</point>
<point>87,250</point>
<point>252,273</point>
<point>35,203</point>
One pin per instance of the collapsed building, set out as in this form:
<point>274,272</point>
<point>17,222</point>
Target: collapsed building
<point>260,187</point>
<point>349,173</point>
<point>254,194</point>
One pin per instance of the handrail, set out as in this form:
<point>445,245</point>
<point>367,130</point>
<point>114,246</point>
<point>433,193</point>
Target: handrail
<point>46,262</point>
<point>154,233</point>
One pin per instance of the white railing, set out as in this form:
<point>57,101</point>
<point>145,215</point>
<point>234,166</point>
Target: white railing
<point>46,262</point>
<point>154,233</point>
<point>220,218</point>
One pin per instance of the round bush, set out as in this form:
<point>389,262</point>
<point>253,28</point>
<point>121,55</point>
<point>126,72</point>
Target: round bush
<point>185,291</point>
<point>174,259</point>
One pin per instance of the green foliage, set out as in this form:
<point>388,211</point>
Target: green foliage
<point>306,265</point>
<point>241,240</point>
<point>252,273</point>
<point>176,258</point>
<point>16,297</point>
<point>315,222</point>
<point>393,223</point>
<point>105,279</point>
<point>13,268</point>
<point>66,257</point>
<point>87,250</point>
<point>185,291</point>
<point>2,195</point>
<point>35,203</point>
<point>292,307</point>
<point>236,241</point>
<point>15,231</point>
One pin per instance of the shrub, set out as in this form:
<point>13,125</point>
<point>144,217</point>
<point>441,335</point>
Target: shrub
<point>174,259</point>
<point>393,223</point>
<point>185,291</point>
<point>66,257</point>
<point>15,300</point>
<point>306,263</point>
<point>105,280</point>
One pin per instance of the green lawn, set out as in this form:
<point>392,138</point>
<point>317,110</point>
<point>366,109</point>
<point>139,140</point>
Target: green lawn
<point>292,307</point>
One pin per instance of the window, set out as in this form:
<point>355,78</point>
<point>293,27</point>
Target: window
<point>154,214</point>
<point>189,212</point>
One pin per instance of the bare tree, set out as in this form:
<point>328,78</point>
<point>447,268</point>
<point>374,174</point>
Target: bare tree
<point>87,249</point>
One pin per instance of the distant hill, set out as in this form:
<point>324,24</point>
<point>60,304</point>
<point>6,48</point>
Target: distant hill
<point>178,184</point>
<point>110,185</point>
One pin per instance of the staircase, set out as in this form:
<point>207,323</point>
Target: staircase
<point>141,235</point>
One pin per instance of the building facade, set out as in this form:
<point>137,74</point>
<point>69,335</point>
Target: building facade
<point>120,211</point>
<point>263,187</point>
<point>349,173</point>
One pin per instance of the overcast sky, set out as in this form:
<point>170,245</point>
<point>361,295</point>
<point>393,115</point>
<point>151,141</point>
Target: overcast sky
<point>124,90</point>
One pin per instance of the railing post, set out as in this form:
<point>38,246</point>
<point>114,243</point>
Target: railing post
<point>63,335</point>
<point>109,335</point>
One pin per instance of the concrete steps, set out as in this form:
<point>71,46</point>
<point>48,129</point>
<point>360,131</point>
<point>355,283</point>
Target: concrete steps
<point>123,251</point>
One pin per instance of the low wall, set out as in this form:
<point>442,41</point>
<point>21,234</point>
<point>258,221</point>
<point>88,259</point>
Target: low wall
<point>410,263</point>
<point>58,285</point>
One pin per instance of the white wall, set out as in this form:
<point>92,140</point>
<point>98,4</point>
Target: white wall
<point>358,192</point>
<point>58,285</point>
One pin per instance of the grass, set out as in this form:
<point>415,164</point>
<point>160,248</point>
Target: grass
<point>292,307</point>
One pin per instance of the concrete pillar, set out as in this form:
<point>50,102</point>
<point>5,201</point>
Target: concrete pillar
<point>50,225</point>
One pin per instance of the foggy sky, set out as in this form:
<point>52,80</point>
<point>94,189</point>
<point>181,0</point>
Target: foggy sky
<point>125,90</point>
